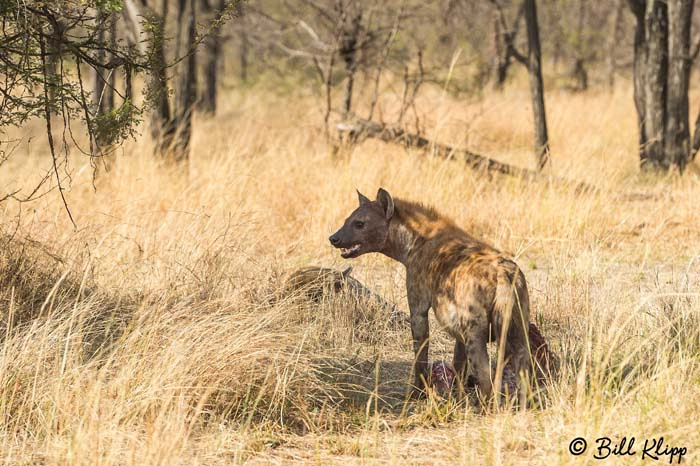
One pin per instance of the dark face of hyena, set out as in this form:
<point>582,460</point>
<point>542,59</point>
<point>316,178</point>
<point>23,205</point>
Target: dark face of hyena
<point>367,228</point>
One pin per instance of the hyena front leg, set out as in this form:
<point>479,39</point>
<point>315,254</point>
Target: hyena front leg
<point>459,362</point>
<point>420,331</point>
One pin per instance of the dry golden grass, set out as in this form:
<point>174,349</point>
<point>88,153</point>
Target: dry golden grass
<point>155,333</point>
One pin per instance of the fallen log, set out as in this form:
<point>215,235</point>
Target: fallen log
<point>358,128</point>
<point>364,128</point>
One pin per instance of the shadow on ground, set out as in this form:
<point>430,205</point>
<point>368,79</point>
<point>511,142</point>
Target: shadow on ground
<point>358,382</point>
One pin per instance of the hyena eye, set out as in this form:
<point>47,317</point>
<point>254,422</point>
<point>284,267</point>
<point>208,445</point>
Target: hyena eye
<point>359,225</point>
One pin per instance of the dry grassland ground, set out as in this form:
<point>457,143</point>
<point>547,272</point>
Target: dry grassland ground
<point>155,332</point>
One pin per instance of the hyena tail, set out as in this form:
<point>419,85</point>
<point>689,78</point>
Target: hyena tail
<point>511,312</point>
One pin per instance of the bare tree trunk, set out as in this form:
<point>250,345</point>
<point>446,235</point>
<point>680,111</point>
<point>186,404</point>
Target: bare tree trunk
<point>187,96</point>
<point>579,72</point>
<point>244,54</point>
<point>536,84</point>
<point>348,91</point>
<point>52,63</point>
<point>677,125</point>
<point>108,99</point>
<point>504,42</point>
<point>99,74</point>
<point>181,9</point>
<point>580,75</point>
<point>613,41</point>
<point>348,51</point>
<point>499,52</point>
<point>133,29</point>
<point>638,7</point>
<point>160,124</point>
<point>656,67</point>
<point>243,51</point>
<point>212,56</point>
<point>104,80</point>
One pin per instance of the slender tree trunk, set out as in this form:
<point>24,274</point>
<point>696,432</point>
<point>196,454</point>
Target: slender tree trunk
<point>613,42</point>
<point>656,66</point>
<point>536,84</point>
<point>181,9</point>
<point>348,51</point>
<point>211,58</point>
<point>187,89</point>
<point>104,80</point>
<point>99,73</point>
<point>108,99</point>
<point>579,72</point>
<point>160,124</point>
<point>580,75</point>
<point>504,43</point>
<point>244,54</point>
<point>638,8</point>
<point>349,85</point>
<point>499,52</point>
<point>243,34</point>
<point>133,30</point>
<point>677,125</point>
<point>52,63</point>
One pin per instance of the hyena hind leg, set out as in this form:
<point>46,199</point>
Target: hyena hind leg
<point>478,360</point>
<point>523,372</point>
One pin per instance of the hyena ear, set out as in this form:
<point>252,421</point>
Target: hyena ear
<point>387,203</point>
<point>363,199</point>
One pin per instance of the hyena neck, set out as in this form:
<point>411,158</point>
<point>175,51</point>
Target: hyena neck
<point>411,225</point>
<point>401,242</point>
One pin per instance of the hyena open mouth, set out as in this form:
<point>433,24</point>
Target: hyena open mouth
<point>347,253</point>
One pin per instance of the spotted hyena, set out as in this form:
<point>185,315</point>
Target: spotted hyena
<point>476,292</point>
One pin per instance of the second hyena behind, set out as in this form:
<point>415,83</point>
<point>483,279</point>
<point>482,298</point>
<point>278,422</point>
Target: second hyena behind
<point>476,292</point>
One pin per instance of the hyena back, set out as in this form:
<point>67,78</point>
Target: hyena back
<point>476,292</point>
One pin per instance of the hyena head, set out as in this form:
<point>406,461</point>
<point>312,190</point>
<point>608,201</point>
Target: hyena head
<point>367,227</point>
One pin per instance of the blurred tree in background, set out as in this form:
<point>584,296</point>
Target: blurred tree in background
<point>75,61</point>
<point>69,61</point>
